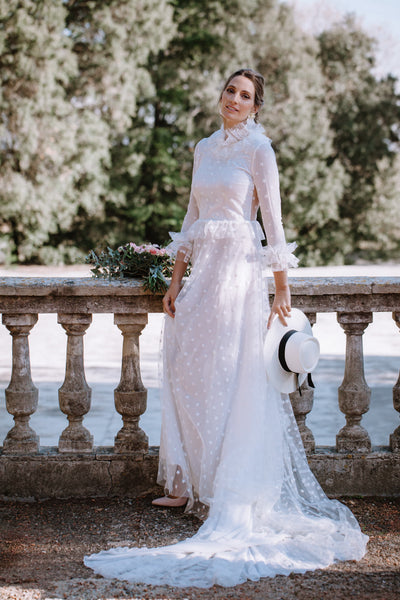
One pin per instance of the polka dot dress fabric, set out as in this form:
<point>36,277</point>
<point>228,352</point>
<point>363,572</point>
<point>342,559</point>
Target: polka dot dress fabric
<point>229,441</point>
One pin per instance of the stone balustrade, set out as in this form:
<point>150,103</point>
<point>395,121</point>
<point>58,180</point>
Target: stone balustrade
<point>78,469</point>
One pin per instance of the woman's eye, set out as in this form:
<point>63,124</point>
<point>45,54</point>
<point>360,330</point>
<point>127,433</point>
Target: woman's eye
<point>231,90</point>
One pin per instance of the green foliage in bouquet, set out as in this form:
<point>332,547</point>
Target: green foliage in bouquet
<point>148,262</point>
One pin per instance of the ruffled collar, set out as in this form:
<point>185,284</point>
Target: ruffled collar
<point>239,132</point>
<point>222,142</point>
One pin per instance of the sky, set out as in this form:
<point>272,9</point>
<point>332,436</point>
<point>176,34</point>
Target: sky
<point>381,18</point>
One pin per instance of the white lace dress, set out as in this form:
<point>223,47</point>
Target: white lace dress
<point>229,441</point>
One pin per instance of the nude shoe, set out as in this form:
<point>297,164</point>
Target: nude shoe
<point>170,502</point>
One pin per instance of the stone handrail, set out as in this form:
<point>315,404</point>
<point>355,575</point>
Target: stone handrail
<point>77,468</point>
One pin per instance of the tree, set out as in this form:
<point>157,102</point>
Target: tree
<point>365,116</point>
<point>102,104</point>
<point>71,73</point>
<point>112,42</point>
<point>40,159</point>
<point>298,122</point>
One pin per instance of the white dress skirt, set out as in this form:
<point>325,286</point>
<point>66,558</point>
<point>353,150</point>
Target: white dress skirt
<point>229,440</point>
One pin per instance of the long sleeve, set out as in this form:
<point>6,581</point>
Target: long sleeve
<point>266,180</point>
<point>180,241</point>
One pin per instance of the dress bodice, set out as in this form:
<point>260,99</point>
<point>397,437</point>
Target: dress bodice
<point>235,173</point>
<point>223,185</point>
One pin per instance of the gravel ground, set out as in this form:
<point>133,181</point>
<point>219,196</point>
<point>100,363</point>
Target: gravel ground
<point>42,546</point>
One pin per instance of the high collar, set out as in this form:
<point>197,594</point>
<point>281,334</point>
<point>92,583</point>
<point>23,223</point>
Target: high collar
<point>240,131</point>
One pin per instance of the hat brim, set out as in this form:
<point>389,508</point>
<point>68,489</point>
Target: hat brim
<point>284,381</point>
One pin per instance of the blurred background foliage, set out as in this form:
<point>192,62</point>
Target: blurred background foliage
<point>102,103</point>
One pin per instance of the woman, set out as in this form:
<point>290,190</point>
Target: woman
<point>229,441</point>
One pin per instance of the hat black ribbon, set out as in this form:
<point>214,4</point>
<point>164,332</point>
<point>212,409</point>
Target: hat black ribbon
<point>281,356</point>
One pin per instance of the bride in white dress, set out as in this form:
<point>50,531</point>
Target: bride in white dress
<point>230,445</point>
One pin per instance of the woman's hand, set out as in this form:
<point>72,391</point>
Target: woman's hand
<point>175,285</point>
<point>280,306</point>
<point>170,297</point>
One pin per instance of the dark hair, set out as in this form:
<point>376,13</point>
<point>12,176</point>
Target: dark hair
<point>258,82</point>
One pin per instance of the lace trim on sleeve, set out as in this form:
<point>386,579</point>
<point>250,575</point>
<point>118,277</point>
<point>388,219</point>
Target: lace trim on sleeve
<point>281,257</point>
<point>180,243</point>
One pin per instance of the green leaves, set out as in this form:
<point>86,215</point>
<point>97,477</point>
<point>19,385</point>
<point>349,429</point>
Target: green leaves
<point>365,115</point>
<point>70,75</point>
<point>102,104</point>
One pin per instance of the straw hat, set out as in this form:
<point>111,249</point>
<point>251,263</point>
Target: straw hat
<point>290,352</point>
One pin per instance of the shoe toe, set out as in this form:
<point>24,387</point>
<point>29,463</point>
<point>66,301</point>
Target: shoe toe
<point>167,501</point>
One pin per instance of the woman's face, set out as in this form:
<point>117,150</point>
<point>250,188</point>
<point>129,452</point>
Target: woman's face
<point>237,101</point>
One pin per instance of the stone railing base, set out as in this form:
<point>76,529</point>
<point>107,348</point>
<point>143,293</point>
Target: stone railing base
<point>100,474</point>
<point>374,474</point>
<point>104,474</point>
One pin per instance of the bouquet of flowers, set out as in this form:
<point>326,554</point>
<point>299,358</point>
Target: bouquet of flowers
<point>148,261</point>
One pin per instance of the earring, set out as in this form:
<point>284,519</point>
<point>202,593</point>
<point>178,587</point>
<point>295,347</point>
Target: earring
<point>252,116</point>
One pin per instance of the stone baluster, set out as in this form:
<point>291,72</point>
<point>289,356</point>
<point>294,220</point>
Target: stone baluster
<point>302,405</point>
<point>395,436</point>
<point>354,393</point>
<point>74,395</point>
<point>130,395</point>
<point>21,394</point>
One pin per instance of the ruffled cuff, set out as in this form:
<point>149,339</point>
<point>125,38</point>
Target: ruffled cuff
<point>281,257</point>
<point>180,243</point>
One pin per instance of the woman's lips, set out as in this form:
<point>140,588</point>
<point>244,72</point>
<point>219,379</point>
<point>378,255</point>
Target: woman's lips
<point>231,108</point>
